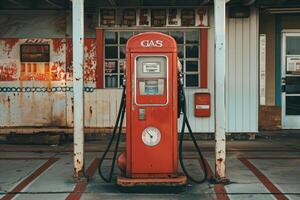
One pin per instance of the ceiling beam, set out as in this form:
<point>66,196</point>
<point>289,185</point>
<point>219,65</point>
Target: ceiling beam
<point>14,2</point>
<point>248,2</point>
<point>55,4</point>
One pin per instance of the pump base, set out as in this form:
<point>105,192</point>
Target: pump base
<point>131,182</point>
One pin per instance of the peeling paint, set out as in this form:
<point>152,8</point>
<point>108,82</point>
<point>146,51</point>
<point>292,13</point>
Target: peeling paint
<point>90,60</point>
<point>58,45</point>
<point>8,71</point>
<point>57,71</point>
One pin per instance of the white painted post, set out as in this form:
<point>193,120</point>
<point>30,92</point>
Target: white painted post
<point>220,148</point>
<point>78,52</point>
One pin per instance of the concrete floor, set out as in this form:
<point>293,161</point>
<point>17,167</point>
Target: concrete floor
<point>261,169</point>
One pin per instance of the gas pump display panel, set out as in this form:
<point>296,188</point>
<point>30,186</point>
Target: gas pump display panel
<point>151,80</point>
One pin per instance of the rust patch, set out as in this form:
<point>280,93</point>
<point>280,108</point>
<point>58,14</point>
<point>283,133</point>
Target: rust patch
<point>58,45</point>
<point>57,71</point>
<point>81,186</point>
<point>9,44</point>
<point>8,71</point>
<point>69,59</point>
<point>90,60</point>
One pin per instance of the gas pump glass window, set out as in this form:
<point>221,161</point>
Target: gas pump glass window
<point>151,73</point>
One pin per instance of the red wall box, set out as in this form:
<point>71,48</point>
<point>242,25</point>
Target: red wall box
<point>202,104</point>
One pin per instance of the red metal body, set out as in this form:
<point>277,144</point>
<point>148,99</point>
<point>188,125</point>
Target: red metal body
<point>159,161</point>
<point>202,104</point>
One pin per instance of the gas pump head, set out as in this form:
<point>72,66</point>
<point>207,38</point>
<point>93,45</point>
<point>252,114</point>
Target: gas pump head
<point>154,97</point>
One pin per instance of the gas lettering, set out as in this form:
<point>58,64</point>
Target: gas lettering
<point>152,43</point>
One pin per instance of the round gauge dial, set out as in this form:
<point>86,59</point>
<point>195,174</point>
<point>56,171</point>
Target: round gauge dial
<point>151,136</point>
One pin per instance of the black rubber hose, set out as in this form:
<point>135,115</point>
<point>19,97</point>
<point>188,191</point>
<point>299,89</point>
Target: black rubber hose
<point>186,122</point>
<point>120,116</point>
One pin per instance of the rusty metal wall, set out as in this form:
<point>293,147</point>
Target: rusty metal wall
<point>32,108</point>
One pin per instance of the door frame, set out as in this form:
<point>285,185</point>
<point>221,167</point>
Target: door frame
<point>287,122</point>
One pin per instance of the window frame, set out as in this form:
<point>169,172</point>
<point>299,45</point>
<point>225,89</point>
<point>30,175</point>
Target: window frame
<point>168,31</point>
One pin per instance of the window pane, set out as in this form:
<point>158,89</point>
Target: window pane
<point>293,45</point>
<point>111,38</point>
<point>124,36</point>
<point>192,66</point>
<point>111,52</point>
<point>293,105</point>
<point>178,36</point>
<point>122,51</point>
<point>292,85</point>
<point>111,81</point>
<point>192,80</point>
<point>180,51</point>
<point>111,67</point>
<point>192,51</point>
<point>192,37</point>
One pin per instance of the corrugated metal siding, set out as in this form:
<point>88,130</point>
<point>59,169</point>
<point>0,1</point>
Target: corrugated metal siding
<point>242,74</point>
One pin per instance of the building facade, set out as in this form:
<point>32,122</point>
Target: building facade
<point>36,64</point>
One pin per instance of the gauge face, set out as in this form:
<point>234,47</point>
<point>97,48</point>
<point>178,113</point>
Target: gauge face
<point>151,136</point>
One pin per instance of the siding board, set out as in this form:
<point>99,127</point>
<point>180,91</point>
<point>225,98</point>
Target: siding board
<point>242,77</point>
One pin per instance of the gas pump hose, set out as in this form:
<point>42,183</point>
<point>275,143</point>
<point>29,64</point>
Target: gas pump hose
<point>120,119</point>
<point>182,100</point>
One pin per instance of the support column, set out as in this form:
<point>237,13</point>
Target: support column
<point>220,64</point>
<point>78,63</point>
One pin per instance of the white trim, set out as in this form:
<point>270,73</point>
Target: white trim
<point>287,121</point>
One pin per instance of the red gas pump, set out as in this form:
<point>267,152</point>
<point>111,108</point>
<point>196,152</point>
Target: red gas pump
<point>153,90</point>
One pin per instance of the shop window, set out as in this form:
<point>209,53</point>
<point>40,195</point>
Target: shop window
<point>115,49</point>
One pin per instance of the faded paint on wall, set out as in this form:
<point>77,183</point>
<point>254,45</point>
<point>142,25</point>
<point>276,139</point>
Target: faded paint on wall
<point>39,109</point>
<point>90,60</point>
<point>59,68</point>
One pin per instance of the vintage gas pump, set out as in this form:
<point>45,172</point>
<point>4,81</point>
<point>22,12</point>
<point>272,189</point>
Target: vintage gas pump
<point>152,99</point>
